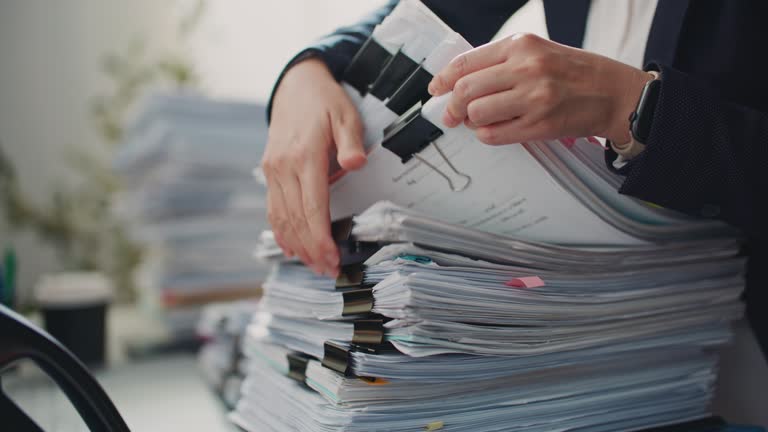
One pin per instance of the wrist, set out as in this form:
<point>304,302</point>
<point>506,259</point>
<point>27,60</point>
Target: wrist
<point>311,68</point>
<point>307,56</point>
<point>307,72</point>
<point>626,96</point>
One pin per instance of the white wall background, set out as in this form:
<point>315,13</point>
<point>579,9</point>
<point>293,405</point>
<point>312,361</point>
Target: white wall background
<point>243,44</point>
<point>50,54</point>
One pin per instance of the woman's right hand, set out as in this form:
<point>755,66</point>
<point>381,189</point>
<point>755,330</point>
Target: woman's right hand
<point>313,121</point>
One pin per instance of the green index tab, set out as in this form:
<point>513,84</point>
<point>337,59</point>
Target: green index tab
<point>419,259</point>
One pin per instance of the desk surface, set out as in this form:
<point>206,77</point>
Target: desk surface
<point>160,394</point>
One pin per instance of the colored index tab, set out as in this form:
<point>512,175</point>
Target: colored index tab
<point>435,425</point>
<point>419,259</point>
<point>568,141</point>
<point>374,381</point>
<point>526,282</point>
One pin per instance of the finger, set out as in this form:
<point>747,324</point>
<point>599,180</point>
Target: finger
<point>314,192</point>
<point>464,64</point>
<point>274,208</point>
<point>289,231</point>
<point>276,234</point>
<point>484,82</point>
<point>283,227</point>
<point>278,218</point>
<point>347,132</point>
<point>294,200</point>
<point>515,131</point>
<point>280,242</point>
<point>497,107</point>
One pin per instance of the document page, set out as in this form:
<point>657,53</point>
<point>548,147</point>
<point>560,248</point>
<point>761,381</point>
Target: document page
<point>509,192</point>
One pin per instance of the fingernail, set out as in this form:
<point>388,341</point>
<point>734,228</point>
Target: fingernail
<point>431,88</point>
<point>448,119</point>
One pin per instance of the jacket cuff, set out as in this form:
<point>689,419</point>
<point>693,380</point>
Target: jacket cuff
<point>661,174</point>
<point>326,50</point>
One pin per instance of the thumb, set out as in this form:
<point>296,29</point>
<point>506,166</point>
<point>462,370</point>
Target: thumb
<point>348,136</point>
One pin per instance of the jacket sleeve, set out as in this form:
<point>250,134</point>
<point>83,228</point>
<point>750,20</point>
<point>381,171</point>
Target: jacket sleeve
<point>338,48</point>
<point>705,156</point>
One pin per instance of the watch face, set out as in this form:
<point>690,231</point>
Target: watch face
<point>642,119</point>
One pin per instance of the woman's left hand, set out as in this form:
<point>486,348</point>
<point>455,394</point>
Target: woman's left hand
<point>524,88</point>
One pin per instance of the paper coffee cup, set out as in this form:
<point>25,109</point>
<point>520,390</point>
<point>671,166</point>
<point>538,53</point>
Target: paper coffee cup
<point>74,307</point>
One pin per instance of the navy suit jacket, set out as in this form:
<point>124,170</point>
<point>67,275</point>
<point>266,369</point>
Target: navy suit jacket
<point>707,154</point>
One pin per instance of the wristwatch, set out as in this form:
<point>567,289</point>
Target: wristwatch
<point>640,120</point>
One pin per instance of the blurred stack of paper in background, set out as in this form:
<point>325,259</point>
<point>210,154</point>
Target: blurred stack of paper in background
<point>485,288</point>
<point>221,327</point>
<point>189,195</point>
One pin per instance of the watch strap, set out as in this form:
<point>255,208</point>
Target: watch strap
<point>628,150</point>
<point>631,149</point>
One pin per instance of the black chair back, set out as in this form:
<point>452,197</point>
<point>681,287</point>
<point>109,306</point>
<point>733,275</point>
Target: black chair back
<point>20,339</point>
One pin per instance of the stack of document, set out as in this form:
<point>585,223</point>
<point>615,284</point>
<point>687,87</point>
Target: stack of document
<point>425,334</point>
<point>221,327</point>
<point>485,288</point>
<point>186,165</point>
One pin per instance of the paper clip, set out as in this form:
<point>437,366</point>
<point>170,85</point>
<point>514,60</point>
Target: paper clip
<point>410,134</point>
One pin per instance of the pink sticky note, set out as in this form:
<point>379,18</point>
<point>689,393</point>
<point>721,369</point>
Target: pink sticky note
<point>526,282</point>
<point>594,140</point>
<point>568,141</point>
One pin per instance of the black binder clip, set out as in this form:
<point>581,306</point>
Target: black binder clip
<point>338,357</point>
<point>413,91</point>
<point>354,252</point>
<point>341,229</point>
<point>351,251</point>
<point>410,134</point>
<point>351,276</point>
<point>297,366</point>
<point>397,70</point>
<point>357,301</point>
<point>368,332</point>
<point>366,66</point>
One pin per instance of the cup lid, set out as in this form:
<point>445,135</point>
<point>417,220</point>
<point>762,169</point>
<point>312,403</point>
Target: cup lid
<point>73,288</point>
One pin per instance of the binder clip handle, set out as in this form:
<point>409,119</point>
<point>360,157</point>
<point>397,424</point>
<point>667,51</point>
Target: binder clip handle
<point>410,134</point>
<point>366,65</point>
<point>458,183</point>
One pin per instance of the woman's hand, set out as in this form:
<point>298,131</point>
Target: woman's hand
<point>313,120</point>
<point>525,88</point>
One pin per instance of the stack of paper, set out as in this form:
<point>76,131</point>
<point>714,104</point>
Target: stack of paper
<point>541,337</point>
<point>485,288</point>
<point>221,327</point>
<point>189,196</point>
